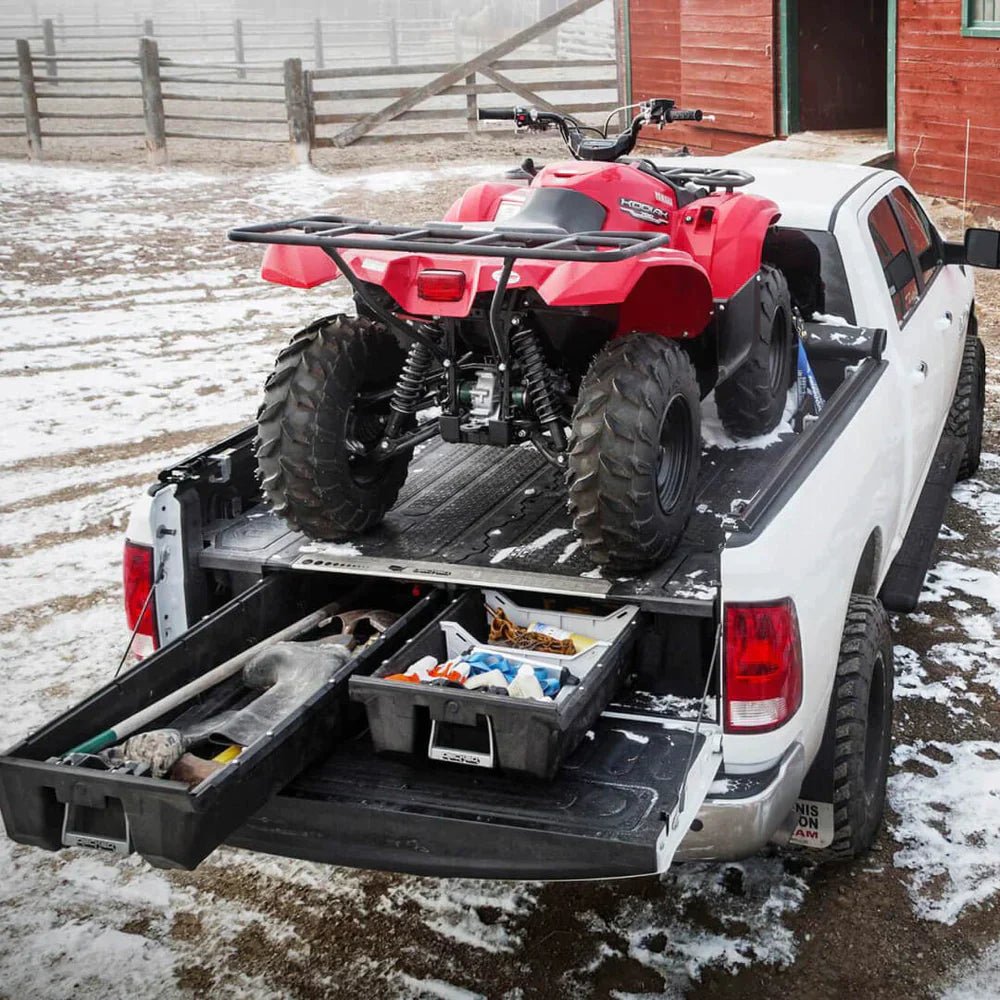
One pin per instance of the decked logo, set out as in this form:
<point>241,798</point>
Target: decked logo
<point>643,212</point>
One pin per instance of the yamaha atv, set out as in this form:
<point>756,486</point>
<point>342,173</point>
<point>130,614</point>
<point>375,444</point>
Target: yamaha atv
<point>587,312</point>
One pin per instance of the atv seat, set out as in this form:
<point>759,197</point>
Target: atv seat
<point>556,211</point>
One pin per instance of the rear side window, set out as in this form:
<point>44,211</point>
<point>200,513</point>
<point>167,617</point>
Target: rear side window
<point>922,235</point>
<point>897,264</point>
<point>811,261</point>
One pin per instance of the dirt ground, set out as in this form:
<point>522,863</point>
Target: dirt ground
<point>133,333</point>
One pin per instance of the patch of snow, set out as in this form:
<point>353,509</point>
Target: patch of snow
<point>536,545</point>
<point>449,908</point>
<point>911,680</point>
<point>343,550</point>
<point>976,979</point>
<point>420,989</point>
<point>946,578</point>
<point>981,497</point>
<point>714,435</point>
<point>830,319</point>
<point>632,737</point>
<point>568,552</point>
<point>948,800</point>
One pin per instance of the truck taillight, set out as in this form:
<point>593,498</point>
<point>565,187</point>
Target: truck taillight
<point>441,286</point>
<point>137,573</point>
<point>763,666</point>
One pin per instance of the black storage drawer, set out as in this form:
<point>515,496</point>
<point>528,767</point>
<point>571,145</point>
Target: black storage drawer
<point>168,823</point>
<point>485,730</point>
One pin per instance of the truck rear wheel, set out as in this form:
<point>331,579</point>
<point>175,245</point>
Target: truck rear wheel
<point>633,465</point>
<point>752,400</point>
<point>860,723</point>
<point>965,419</point>
<point>315,428</point>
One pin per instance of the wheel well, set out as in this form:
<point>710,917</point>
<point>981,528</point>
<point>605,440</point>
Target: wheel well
<point>865,576</point>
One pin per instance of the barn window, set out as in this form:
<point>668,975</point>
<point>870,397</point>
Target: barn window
<point>981,18</point>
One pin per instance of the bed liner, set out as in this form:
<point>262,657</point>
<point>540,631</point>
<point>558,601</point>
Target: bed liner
<point>473,515</point>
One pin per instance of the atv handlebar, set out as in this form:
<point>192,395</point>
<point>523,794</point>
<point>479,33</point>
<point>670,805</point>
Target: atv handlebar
<point>685,116</point>
<point>658,111</point>
<point>497,114</point>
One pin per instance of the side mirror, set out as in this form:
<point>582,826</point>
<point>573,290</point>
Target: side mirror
<point>982,248</point>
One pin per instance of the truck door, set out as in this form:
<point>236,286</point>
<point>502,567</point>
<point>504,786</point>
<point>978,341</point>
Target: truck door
<point>942,312</point>
<point>915,345</point>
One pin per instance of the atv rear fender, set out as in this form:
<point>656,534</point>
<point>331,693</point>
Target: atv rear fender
<point>725,233</point>
<point>298,267</point>
<point>480,202</point>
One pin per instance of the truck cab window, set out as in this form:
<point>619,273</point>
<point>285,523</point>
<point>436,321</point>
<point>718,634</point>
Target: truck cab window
<point>923,236</point>
<point>897,264</point>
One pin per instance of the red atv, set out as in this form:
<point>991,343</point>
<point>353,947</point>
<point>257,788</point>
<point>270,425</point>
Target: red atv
<point>587,312</point>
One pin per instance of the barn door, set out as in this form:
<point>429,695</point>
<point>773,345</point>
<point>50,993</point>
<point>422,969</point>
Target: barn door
<point>728,66</point>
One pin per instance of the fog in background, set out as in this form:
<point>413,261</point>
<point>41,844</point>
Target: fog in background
<point>516,12</point>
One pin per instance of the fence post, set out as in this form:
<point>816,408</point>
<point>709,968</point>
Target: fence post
<point>471,104</point>
<point>49,38</point>
<point>238,47</point>
<point>393,41</point>
<point>152,102</point>
<point>32,121</point>
<point>297,105</point>
<point>318,42</point>
<point>147,27</point>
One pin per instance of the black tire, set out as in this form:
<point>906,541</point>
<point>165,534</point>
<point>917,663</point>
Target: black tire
<point>308,472</point>
<point>752,400</point>
<point>633,466</point>
<point>965,419</point>
<point>861,720</point>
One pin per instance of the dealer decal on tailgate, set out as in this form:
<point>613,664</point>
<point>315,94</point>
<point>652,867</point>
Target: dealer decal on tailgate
<point>813,823</point>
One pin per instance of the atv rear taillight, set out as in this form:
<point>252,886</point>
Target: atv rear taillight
<point>441,286</point>
<point>137,572</point>
<point>763,666</point>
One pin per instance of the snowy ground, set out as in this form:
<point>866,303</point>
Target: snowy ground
<point>132,333</point>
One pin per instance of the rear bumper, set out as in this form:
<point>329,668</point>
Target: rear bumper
<point>742,821</point>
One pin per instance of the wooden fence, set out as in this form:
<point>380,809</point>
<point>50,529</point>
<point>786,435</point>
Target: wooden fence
<point>162,99</point>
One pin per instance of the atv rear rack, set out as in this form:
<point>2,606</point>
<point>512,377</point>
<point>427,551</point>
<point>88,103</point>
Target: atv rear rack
<point>340,232</point>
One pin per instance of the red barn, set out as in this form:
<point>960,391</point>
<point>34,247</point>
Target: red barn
<point>917,79</point>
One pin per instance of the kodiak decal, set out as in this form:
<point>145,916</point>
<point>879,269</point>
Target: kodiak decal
<point>643,212</point>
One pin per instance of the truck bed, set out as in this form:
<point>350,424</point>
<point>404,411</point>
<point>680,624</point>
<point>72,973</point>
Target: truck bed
<point>474,515</point>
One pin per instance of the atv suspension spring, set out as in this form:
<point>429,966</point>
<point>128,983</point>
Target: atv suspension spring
<point>410,384</point>
<point>535,373</point>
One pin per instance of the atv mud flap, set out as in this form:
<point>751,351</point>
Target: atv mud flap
<point>620,806</point>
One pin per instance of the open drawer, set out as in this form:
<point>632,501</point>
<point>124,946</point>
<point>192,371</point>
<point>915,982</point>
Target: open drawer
<point>488,730</point>
<point>50,804</point>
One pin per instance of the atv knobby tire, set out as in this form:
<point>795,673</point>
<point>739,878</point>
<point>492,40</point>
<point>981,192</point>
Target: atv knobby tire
<point>965,419</point>
<point>307,469</point>
<point>752,400</point>
<point>861,722</point>
<point>633,465</point>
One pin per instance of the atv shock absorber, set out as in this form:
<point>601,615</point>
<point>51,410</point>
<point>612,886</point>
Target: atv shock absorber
<point>409,387</point>
<point>528,352</point>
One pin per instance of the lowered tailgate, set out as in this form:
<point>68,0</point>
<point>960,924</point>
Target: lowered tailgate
<point>619,806</point>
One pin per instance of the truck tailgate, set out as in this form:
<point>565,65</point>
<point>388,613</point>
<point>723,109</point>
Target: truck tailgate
<point>619,806</point>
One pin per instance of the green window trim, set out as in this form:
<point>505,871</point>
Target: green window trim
<point>975,24</point>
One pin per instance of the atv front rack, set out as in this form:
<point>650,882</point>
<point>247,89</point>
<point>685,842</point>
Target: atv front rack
<point>340,232</point>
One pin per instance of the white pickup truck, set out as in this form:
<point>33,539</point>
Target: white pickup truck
<point>754,691</point>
